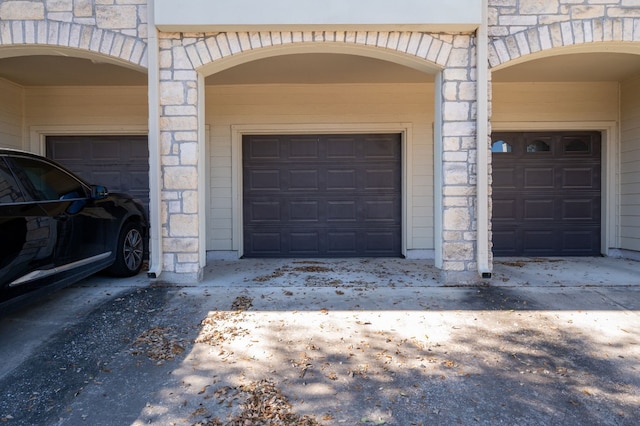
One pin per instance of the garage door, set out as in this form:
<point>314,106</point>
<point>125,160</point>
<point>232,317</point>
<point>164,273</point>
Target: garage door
<point>546,194</point>
<point>322,195</point>
<point>121,163</point>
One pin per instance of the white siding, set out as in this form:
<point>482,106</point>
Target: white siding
<point>319,104</point>
<point>11,107</point>
<point>555,102</point>
<point>630,166</point>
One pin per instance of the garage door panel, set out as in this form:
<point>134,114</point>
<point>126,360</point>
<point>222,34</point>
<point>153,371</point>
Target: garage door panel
<point>304,180</point>
<point>261,180</point>
<point>304,243</point>
<point>264,211</point>
<point>381,211</point>
<point>546,194</point>
<point>539,210</point>
<point>381,242</point>
<point>379,148</point>
<point>342,211</point>
<point>343,243</point>
<point>267,149</point>
<point>377,179</point>
<point>504,177</point>
<point>504,209</point>
<point>119,162</point>
<point>539,242</point>
<point>304,211</point>
<point>539,177</point>
<point>579,177</point>
<point>581,209</point>
<point>506,242</point>
<point>581,241</point>
<point>341,180</point>
<point>106,151</point>
<point>264,243</point>
<point>340,196</point>
<point>304,149</point>
<point>341,148</point>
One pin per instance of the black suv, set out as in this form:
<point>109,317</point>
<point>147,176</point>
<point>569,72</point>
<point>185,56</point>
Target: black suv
<point>56,229</point>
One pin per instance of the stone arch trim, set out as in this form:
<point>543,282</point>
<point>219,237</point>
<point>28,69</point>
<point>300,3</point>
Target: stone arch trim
<point>205,50</point>
<point>116,45</point>
<point>562,34</point>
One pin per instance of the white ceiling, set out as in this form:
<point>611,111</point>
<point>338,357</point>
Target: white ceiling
<point>43,70</point>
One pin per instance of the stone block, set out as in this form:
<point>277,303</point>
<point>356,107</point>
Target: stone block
<point>537,7</point>
<point>82,8</point>
<point>117,17</point>
<point>59,5</point>
<point>21,10</point>
<point>189,153</point>
<point>456,219</point>
<point>190,201</point>
<point>183,225</point>
<point>180,177</point>
<point>180,245</point>
<point>456,111</point>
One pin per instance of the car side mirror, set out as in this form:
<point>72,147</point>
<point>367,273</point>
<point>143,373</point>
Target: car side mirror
<point>98,192</point>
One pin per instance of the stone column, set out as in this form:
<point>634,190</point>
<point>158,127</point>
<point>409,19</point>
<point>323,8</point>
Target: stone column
<point>458,165</point>
<point>179,147</point>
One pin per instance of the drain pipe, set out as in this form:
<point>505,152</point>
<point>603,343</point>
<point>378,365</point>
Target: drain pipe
<point>153,75</point>
<point>482,132</point>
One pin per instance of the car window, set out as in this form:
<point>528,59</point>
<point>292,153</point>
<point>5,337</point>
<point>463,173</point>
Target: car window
<point>9,190</point>
<point>48,182</point>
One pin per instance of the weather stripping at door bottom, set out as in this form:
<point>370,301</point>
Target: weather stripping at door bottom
<point>42,273</point>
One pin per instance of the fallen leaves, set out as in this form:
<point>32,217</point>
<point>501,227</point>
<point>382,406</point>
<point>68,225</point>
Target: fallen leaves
<point>219,327</point>
<point>159,344</point>
<point>257,403</point>
<point>241,303</point>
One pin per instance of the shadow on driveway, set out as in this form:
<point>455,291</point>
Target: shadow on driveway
<point>366,342</point>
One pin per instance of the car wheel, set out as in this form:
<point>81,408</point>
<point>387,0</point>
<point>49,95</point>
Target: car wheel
<point>129,251</point>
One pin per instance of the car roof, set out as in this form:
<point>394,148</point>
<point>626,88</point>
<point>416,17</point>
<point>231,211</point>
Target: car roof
<point>6,151</point>
<point>12,151</point>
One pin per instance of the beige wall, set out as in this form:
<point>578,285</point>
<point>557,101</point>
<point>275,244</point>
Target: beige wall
<point>299,105</point>
<point>555,102</point>
<point>11,107</point>
<point>91,106</point>
<point>630,166</point>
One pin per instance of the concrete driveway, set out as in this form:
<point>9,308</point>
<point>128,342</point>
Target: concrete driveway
<point>332,342</point>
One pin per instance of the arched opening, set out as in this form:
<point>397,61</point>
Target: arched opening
<point>563,94</point>
<point>87,110</point>
<point>325,98</point>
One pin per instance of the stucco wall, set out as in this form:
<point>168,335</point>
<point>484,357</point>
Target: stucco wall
<point>335,105</point>
<point>630,166</point>
<point>11,106</point>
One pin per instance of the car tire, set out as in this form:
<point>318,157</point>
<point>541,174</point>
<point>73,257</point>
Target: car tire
<point>129,251</point>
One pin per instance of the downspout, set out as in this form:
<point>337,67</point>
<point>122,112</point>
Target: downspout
<point>482,133</point>
<point>155,184</point>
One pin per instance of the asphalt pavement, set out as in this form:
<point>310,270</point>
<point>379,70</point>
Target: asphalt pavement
<point>358,342</point>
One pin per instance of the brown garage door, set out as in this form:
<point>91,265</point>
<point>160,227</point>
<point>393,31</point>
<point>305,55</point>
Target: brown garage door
<point>322,195</point>
<point>121,163</point>
<point>546,194</point>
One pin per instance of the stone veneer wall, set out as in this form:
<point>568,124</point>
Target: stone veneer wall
<point>521,27</point>
<point>182,55</point>
<point>127,17</point>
